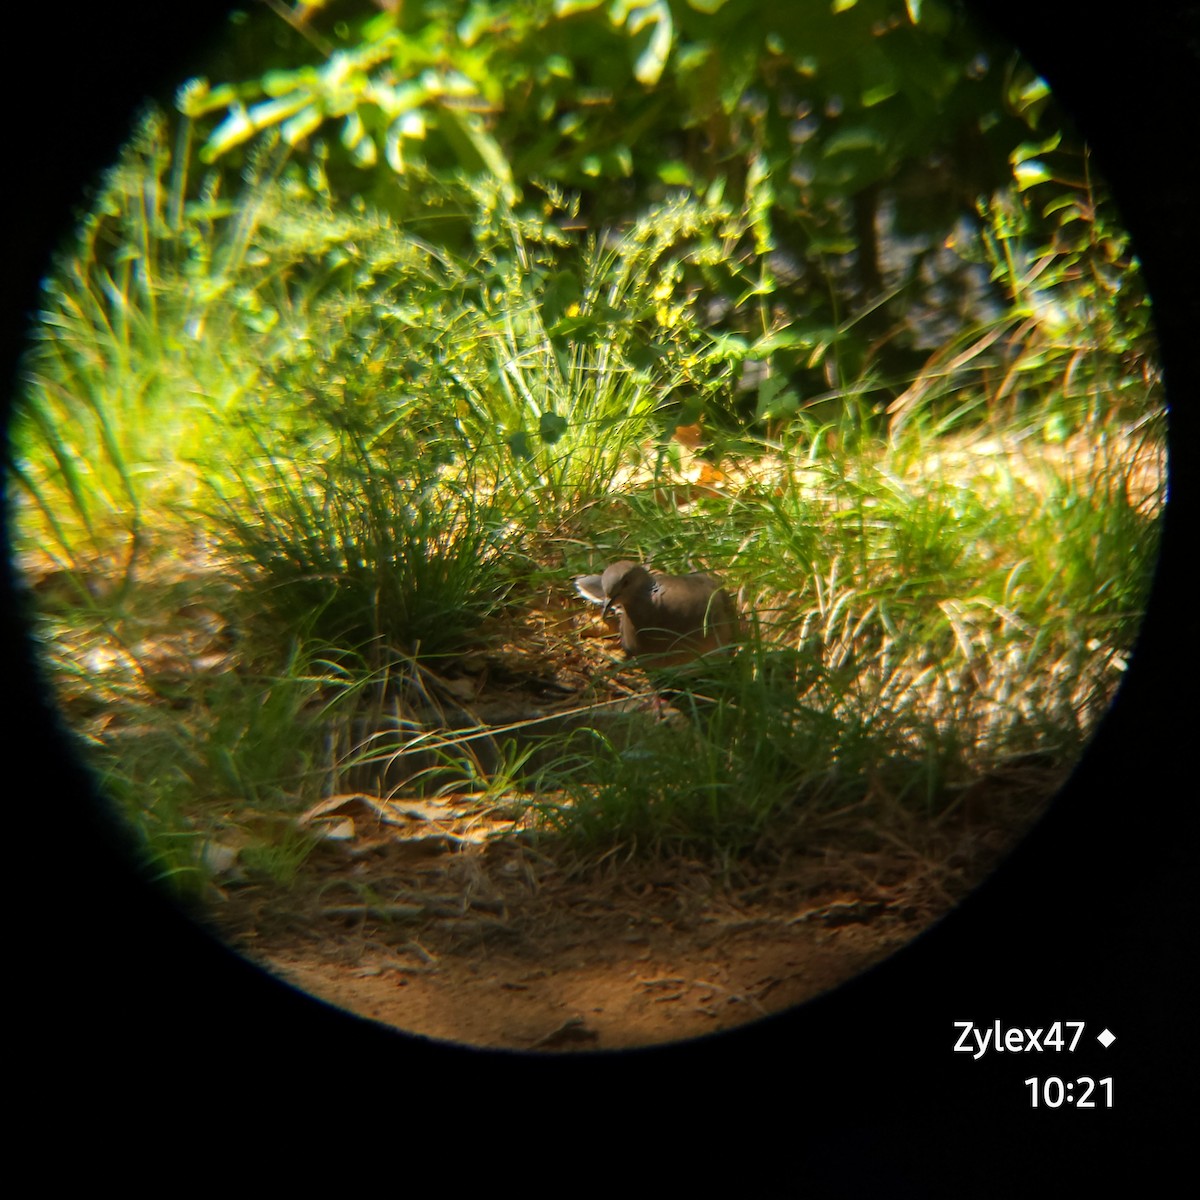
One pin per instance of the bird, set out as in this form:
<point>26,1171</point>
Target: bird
<point>666,620</point>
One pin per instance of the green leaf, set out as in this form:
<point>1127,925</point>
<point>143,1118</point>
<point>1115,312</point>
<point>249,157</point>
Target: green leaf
<point>235,129</point>
<point>782,339</point>
<point>619,161</point>
<point>761,198</point>
<point>616,163</point>
<point>394,100</point>
<point>353,131</point>
<point>675,174</point>
<point>551,427</point>
<point>1055,429</point>
<point>854,138</point>
<point>775,399</point>
<point>1028,150</point>
<point>879,93</point>
<point>1027,95</point>
<point>1031,172</point>
<point>195,98</point>
<point>365,153</point>
<point>691,56</point>
<point>653,18</point>
<point>410,127</point>
<point>301,125</point>
<point>478,21</point>
<point>564,327</point>
<point>729,346</point>
<point>279,83</point>
<point>706,6</point>
<point>518,444</point>
<point>764,285</point>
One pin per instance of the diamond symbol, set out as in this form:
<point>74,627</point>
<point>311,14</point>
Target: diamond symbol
<point>1106,1039</point>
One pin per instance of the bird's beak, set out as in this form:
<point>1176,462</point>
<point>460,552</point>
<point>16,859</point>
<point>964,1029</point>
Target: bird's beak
<point>607,607</point>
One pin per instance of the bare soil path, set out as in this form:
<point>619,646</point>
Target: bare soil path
<point>506,945</point>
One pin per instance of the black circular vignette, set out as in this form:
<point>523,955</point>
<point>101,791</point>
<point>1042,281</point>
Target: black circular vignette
<point>1090,918</point>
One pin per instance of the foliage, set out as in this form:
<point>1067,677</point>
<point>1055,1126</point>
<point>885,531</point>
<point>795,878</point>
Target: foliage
<point>595,91</point>
<point>201,767</point>
<point>375,385</point>
<point>834,127</point>
<point>359,552</point>
<point>154,325</point>
<point>535,361</point>
<point>919,613</point>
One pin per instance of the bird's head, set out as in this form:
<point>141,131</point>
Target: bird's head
<point>619,579</point>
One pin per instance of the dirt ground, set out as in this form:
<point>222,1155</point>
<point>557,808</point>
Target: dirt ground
<point>507,943</point>
<point>441,920</point>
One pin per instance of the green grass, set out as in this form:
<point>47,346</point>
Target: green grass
<point>912,634</point>
<point>361,458</point>
<point>357,555</point>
